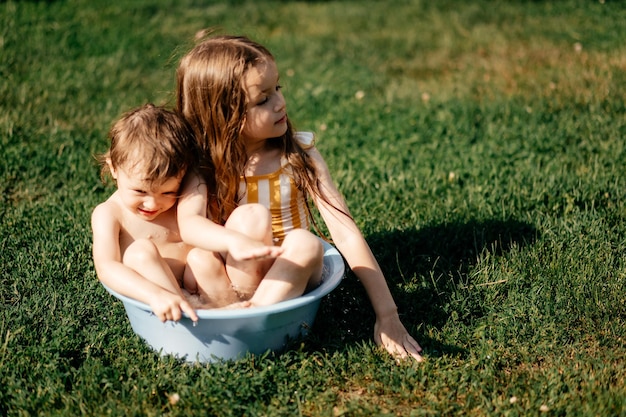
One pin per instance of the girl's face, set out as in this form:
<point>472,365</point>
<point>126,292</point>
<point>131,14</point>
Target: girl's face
<point>266,114</point>
<point>143,198</point>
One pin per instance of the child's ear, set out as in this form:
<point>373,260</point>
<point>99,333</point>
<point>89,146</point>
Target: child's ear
<point>111,168</point>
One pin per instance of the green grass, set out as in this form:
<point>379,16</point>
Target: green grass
<point>480,146</point>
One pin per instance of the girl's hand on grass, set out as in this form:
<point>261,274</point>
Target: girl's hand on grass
<point>171,307</point>
<point>390,333</point>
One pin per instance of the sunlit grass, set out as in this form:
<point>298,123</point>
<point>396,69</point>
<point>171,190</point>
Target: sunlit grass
<point>479,146</point>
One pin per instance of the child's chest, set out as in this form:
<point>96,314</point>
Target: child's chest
<point>163,232</point>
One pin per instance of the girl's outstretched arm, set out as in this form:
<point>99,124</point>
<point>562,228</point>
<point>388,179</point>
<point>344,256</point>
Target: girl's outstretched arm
<point>389,331</point>
<point>198,230</point>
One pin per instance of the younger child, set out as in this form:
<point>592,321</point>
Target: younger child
<point>137,249</point>
<point>228,89</point>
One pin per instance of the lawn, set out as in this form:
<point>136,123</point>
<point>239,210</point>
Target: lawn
<point>479,144</point>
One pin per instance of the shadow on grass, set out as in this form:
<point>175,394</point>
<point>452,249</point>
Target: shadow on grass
<point>423,267</point>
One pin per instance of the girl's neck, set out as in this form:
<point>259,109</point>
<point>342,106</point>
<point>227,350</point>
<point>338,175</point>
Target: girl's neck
<point>255,147</point>
<point>262,160</point>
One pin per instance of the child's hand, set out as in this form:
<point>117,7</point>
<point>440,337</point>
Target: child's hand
<point>170,306</point>
<point>390,333</point>
<point>248,249</point>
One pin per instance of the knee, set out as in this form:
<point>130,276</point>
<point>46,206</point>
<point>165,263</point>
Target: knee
<point>304,243</point>
<point>140,252</point>
<point>253,220</point>
<point>205,262</point>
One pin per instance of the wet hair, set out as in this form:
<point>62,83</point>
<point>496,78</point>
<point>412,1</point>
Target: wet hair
<point>212,97</point>
<point>156,141</point>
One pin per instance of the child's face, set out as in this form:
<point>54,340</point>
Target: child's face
<point>266,115</point>
<point>144,198</point>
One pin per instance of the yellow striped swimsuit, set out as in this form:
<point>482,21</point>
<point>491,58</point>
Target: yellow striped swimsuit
<point>278,193</point>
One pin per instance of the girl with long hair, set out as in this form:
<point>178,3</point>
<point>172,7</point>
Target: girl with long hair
<point>228,90</point>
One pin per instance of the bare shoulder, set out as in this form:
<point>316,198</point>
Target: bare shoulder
<point>318,161</point>
<point>106,213</point>
<point>305,139</point>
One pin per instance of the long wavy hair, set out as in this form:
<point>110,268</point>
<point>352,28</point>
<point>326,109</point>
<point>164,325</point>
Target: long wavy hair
<point>211,95</point>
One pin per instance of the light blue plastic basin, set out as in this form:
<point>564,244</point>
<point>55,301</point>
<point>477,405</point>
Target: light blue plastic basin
<point>230,334</point>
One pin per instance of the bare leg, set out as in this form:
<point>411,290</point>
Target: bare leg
<point>144,257</point>
<point>253,220</point>
<point>299,266</point>
<point>205,275</point>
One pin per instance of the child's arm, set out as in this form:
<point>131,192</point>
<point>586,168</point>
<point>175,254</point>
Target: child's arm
<point>196,229</point>
<point>114,274</point>
<point>388,330</point>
